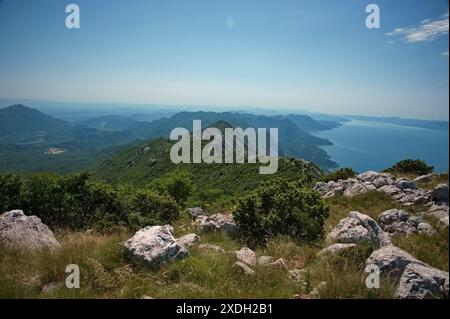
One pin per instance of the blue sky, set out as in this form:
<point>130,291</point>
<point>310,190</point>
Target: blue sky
<point>313,55</point>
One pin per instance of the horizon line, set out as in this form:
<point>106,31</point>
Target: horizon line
<point>298,111</point>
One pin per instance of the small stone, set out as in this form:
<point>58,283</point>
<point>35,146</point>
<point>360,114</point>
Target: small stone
<point>188,240</point>
<point>246,255</point>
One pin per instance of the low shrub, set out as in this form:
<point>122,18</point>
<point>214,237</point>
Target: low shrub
<point>281,208</point>
<point>342,173</point>
<point>410,166</point>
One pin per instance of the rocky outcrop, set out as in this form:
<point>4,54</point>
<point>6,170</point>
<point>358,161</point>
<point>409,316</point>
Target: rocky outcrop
<point>399,223</point>
<point>358,228</point>
<point>391,261</point>
<point>154,245</point>
<point>402,190</point>
<point>422,282</point>
<point>25,232</point>
<point>413,278</point>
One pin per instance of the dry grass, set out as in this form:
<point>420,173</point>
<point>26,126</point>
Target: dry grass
<point>106,273</point>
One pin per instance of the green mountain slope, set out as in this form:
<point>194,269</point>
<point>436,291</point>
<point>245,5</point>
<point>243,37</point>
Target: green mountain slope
<point>293,141</point>
<point>20,120</point>
<point>142,163</point>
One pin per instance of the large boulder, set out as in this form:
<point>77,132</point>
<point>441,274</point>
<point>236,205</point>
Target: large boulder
<point>399,222</point>
<point>392,261</point>
<point>440,193</point>
<point>153,245</point>
<point>357,228</point>
<point>20,231</point>
<point>422,282</point>
<point>217,222</point>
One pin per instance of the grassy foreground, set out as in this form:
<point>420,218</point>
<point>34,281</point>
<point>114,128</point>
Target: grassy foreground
<point>105,272</point>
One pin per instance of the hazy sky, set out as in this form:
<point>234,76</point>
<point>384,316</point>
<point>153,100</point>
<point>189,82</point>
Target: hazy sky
<point>315,55</point>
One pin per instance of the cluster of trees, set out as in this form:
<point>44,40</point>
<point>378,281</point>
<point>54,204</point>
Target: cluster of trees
<point>77,201</point>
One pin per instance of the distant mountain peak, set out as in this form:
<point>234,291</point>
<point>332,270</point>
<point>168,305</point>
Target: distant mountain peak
<point>18,119</point>
<point>17,107</point>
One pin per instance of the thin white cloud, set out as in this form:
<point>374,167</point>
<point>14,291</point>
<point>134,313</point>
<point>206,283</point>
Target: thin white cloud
<point>445,53</point>
<point>428,30</point>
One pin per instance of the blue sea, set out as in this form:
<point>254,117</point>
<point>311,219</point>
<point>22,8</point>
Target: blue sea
<point>364,145</point>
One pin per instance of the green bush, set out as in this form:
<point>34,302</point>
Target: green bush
<point>177,184</point>
<point>153,206</point>
<point>10,185</point>
<point>281,208</point>
<point>410,166</point>
<point>76,201</point>
<point>342,173</point>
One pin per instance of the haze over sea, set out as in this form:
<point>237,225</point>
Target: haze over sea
<point>364,145</point>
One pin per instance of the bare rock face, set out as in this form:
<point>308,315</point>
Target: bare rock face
<point>422,282</point>
<point>26,232</point>
<point>357,228</point>
<point>400,223</point>
<point>246,255</point>
<point>153,245</point>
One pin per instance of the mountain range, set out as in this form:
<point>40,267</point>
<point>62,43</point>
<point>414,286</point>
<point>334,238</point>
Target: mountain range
<point>31,140</point>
